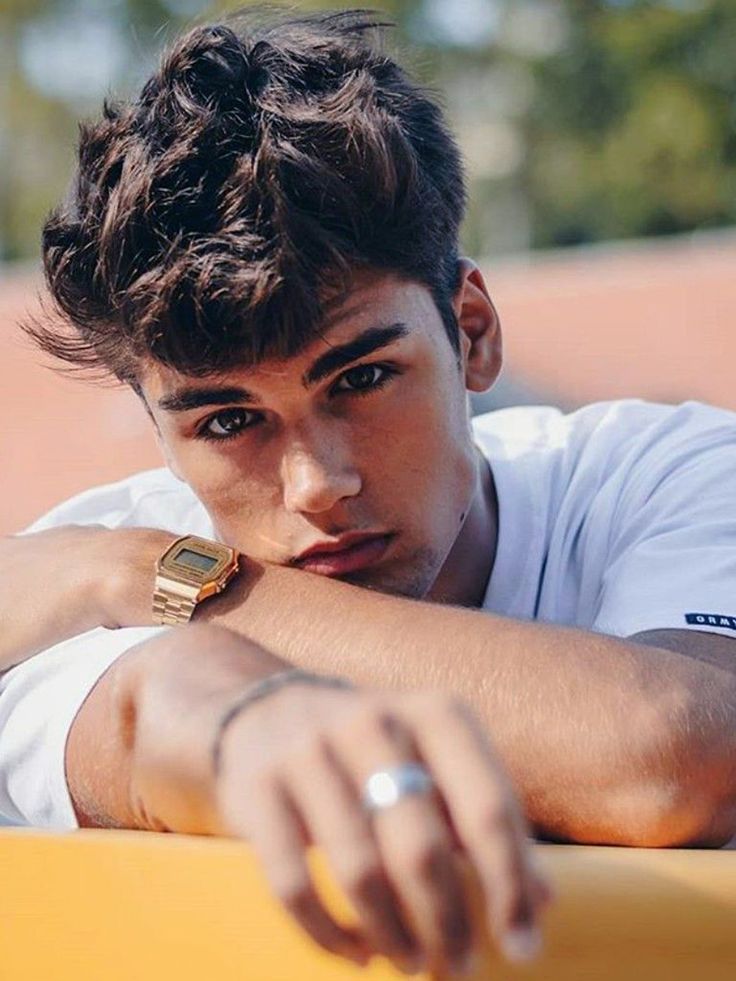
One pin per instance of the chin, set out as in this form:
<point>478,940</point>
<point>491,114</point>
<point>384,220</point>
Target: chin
<point>413,581</point>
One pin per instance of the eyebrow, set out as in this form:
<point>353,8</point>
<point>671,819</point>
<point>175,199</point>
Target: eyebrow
<point>373,339</point>
<point>194,398</point>
<point>366,343</point>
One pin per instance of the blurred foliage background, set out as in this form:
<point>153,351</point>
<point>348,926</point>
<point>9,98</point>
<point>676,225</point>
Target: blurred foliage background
<point>580,120</point>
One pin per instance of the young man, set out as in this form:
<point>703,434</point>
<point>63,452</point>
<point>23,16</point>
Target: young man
<point>264,245</point>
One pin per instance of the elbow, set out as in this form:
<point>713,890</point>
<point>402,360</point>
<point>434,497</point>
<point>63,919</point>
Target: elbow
<point>688,768</point>
<point>674,814</point>
<point>683,793</point>
<point>668,781</point>
<point>700,811</point>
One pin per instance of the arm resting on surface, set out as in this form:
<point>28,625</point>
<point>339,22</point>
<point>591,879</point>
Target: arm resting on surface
<point>612,741</point>
<point>608,740</point>
<point>171,740</point>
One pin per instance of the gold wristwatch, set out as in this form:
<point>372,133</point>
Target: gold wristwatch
<point>189,571</point>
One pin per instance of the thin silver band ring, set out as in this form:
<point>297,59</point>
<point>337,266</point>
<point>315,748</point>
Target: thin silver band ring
<point>385,788</point>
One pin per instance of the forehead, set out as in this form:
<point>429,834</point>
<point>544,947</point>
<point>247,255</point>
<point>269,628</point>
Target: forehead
<point>375,300</point>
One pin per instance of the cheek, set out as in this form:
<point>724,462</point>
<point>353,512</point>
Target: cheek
<point>225,484</point>
<point>429,462</point>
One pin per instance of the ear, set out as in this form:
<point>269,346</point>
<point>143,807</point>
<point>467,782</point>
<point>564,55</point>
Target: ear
<point>480,329</point>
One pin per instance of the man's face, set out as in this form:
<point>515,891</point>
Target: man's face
<point>366,431</point>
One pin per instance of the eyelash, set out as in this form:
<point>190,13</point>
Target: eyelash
<point>388,372</point>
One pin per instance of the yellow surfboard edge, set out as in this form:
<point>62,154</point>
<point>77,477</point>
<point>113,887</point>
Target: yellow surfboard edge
<point>133,906</point>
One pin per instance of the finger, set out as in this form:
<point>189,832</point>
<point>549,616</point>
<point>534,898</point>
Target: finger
<point>416,846</point>
<point>338,824</point>
<point>488,822</point>
<point>274,831</point>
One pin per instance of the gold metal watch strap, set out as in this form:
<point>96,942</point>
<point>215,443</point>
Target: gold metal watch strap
<point>168,609</point>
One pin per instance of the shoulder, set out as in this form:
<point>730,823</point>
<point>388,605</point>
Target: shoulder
<point>611,461</point>
<point>154,498</point>
<point>619,430</point>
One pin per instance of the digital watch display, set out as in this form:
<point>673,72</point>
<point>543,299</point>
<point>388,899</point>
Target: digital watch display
<point>190,570</point>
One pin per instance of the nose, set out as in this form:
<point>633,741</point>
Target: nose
<point>318,474</point>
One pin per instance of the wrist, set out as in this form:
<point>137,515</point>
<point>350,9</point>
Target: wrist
<point>261,690</point>
<point>177,691</point>
<point>125,584</point>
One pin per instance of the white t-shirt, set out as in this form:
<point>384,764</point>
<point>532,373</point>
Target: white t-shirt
<point>618,518</point>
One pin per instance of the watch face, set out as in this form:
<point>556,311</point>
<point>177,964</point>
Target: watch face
<point>195,560</point>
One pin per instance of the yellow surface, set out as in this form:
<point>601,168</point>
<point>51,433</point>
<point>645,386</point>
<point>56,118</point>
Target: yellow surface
<point>127,906</point>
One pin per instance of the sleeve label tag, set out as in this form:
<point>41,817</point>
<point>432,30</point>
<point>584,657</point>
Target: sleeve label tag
<point>711,620</point>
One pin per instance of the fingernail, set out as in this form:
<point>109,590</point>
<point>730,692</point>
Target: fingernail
<point>413,964</point>
<point>468,964</point>
<point>521,944</point>
<point>362,960</point>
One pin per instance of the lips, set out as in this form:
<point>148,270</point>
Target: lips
<point>348,554</point>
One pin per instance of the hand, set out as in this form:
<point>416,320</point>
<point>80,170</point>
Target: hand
<point>293,769</point>
<point>127,577</point>
<point>67,580</point>
<point>51,588</point>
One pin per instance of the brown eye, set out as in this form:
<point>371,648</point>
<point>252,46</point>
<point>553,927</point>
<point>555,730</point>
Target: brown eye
<point>361,378</point>
<point>227,424</point>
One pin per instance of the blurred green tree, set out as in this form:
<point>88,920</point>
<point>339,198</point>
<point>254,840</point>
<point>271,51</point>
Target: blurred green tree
<point>632,130</point>
<point>580,120</point>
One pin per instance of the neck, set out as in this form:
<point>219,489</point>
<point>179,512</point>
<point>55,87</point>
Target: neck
<point>463,579</point>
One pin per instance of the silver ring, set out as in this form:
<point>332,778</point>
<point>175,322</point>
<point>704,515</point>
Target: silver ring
<point>384,788</point>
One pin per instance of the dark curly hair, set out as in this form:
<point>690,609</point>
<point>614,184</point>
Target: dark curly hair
<point>210,219</point>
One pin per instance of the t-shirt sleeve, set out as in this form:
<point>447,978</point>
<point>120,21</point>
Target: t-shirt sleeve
<point>672,558</point>
<point>40,697</point>
<point>39,700</point>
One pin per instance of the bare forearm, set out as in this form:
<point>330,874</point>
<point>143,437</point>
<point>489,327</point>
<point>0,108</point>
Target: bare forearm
<point>608,740</point>
<point>583,721</point>
<point>142,754</point>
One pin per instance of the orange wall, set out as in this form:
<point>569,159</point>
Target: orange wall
<point>58,435</point>
<point>657,322</point>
